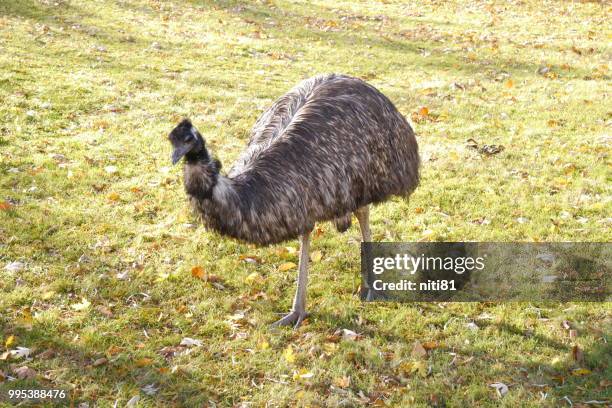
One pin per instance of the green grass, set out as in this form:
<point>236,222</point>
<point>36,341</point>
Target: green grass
<point>89,84</point>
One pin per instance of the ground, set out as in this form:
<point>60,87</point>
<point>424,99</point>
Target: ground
<point>104,271</point>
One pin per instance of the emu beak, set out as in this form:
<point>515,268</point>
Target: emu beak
<point>179,152</point>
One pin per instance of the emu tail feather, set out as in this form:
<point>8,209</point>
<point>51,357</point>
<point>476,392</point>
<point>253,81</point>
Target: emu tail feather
<point>343,223</point>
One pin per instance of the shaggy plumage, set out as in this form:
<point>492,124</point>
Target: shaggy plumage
<point>329,147</point>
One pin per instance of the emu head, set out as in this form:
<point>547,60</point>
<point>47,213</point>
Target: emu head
<point>185,139</point>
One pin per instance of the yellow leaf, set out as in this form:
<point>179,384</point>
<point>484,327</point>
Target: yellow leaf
<point>509,83</point>
<point>253,279</point>
<point>420,367</point>
<point>316,256</point>
<point>424,111</point>
<point>9,341</point>
<point>286,266</point>
<point>143,362</point>
<point>263,345</point>
<point>302,374</point>
<point>472,56</point>
<point>580,372</point>
<point>330,347</point>
<point>198,272</point>
<point>113,196</point>
<point>342,382</point>
<point>289,355</point>
<point>26,321</point>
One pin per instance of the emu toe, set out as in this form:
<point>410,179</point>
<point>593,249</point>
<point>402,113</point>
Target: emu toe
<point>295,317</point>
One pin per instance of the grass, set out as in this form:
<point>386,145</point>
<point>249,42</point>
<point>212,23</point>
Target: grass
<point>90,206</point>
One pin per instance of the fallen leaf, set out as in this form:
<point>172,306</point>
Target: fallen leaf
<point>25,373</point>
<point>149,389</point>
<point>431,345</point>
<point>250,258</point>
<point>348,334</point>
<point>114,196</point>
<point>189,342</point>
<point>289,355</point>
<point>342,382</point>
<point>14,266</point>
<point>286,266</point>
<point>254,279</point>
<point>418,350</point>
<point>198,272</point>
<point>10,340</point>
<point>47,354</point>
<point>501,388</point>
<point>20,352</point>
<point>105,311</point>
<point>420,367</point>
<point>100,361</point>
<point>143,362</point>
<point>580,372</point>
<point>263,345</point>
<point>133,401</point>
<point>302,374</point>
<point>112,350</point>
<point>472,326</point>
<point>5,206</point>
<point>316,256</point>
<point>509,83</point>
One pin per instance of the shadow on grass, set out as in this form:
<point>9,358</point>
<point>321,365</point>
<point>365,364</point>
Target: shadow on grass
<point>74,364</point>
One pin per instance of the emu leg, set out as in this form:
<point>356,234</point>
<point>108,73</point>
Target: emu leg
<point>363,215</point>
<point>298,311</point>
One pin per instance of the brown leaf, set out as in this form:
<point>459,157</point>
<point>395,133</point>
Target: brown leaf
<point>418,350</point>
<point>112,350</point>
<point>100,361</point>
<point>47,354</point>
<point>104,311</point>
<point>143,362</point>
<point>24,373</point>
<point>431,345</point>
<point>198,272</point>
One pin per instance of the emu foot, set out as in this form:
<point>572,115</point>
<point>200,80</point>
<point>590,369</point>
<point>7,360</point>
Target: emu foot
<point>295,317</point>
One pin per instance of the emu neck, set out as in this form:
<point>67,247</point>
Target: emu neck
<point>201,174</point>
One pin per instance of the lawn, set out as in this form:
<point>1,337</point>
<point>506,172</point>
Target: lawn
<point>104,271</point>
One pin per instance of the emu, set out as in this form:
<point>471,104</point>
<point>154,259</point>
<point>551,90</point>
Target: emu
<point>327,149</point>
